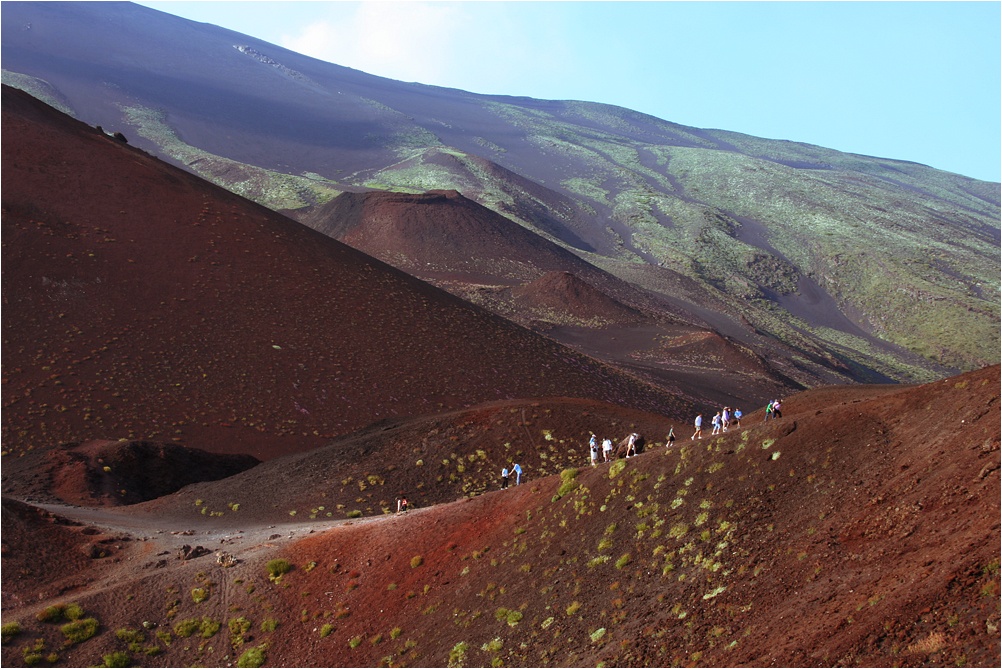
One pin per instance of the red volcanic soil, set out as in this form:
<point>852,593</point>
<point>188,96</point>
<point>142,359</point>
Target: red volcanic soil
<point>142,303</point>
<point>481,256</point>
<point>441,234</point>
<point>860,529</point>
<point>563,292</point>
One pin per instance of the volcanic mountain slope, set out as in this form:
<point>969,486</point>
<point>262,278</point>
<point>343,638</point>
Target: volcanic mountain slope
<point>141,302</point>
<point>463,247</point>
<point>887,266</point>
<point>861,528</point>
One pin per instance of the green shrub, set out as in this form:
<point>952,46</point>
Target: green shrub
<point>118,658</point>
<point>33,654</point>
<point>616,467</point>
<point>355,641</point>
<point>623,561</point>
<point>354,513</point>
<point>574,607</point>
<point>73,612</point>
<point>51,614</point>
<point>326,630</point>
<point>416,561</point>
<point>597,634</point>
<point>199,595</point>
<point>269,625</point>
<point>568,483</point>
<point>252,657</point>
<point>277,568</point>
<point>185,628</point>
<point>79,631</point>
<point>395,632</point>
<point>10,630</point>
<point>458,654</point>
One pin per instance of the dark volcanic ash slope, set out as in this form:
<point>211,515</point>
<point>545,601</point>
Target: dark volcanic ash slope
<point>141,302</point>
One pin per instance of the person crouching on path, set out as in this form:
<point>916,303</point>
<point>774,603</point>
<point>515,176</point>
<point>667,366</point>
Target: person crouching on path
<point>698,434</point>
<point>504,478</point>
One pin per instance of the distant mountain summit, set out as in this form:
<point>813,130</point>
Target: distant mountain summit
<point>831,266</point>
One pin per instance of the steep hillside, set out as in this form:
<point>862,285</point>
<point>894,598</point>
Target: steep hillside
<point>887,267</point>
<point>860,529</point>
<point>141,302</point>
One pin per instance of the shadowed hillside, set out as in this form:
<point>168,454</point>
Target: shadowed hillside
<point>853,531</point>
<point>143,303</point>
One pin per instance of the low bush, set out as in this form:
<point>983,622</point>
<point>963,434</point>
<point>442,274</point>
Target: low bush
<point>79,631</point>
<point>252,657</point>
<point>9,631</point>
<point>119,658</point>
<point>277,568</point>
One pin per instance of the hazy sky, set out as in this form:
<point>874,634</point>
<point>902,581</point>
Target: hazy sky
<point>916,81</point>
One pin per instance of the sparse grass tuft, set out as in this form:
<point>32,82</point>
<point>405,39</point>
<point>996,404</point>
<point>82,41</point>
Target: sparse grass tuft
<point>278,568</point>
<point>79,631</point>
<point>9,631</point>
<point>416,561</point>
<point>253,657</point>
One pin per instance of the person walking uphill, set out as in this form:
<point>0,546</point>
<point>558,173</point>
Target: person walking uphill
<point>504,478</point>
<point>518,473</point>
<point>698,434</point>
<point>593,447</point>
<point>606,449</point>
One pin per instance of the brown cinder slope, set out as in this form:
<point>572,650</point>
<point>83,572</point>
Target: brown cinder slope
<point>860,529</point>
<point>141,302</point>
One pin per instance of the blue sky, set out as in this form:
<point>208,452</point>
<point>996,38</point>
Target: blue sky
<point>916,81</point>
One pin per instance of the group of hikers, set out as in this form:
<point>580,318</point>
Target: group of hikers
<point>727,418</point>
<point>628,447</point>
<point>722,421</point>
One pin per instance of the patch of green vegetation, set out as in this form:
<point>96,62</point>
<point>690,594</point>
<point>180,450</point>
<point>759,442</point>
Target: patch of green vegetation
<point>457,656</point>
<point>79,631</point>
<point>416,561</point>
<point>253,657</point>
<point>9,630</point>
<point>38,88</point>
<point>266,187</point>
<point>118,658</point>
<point>278,568</point>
